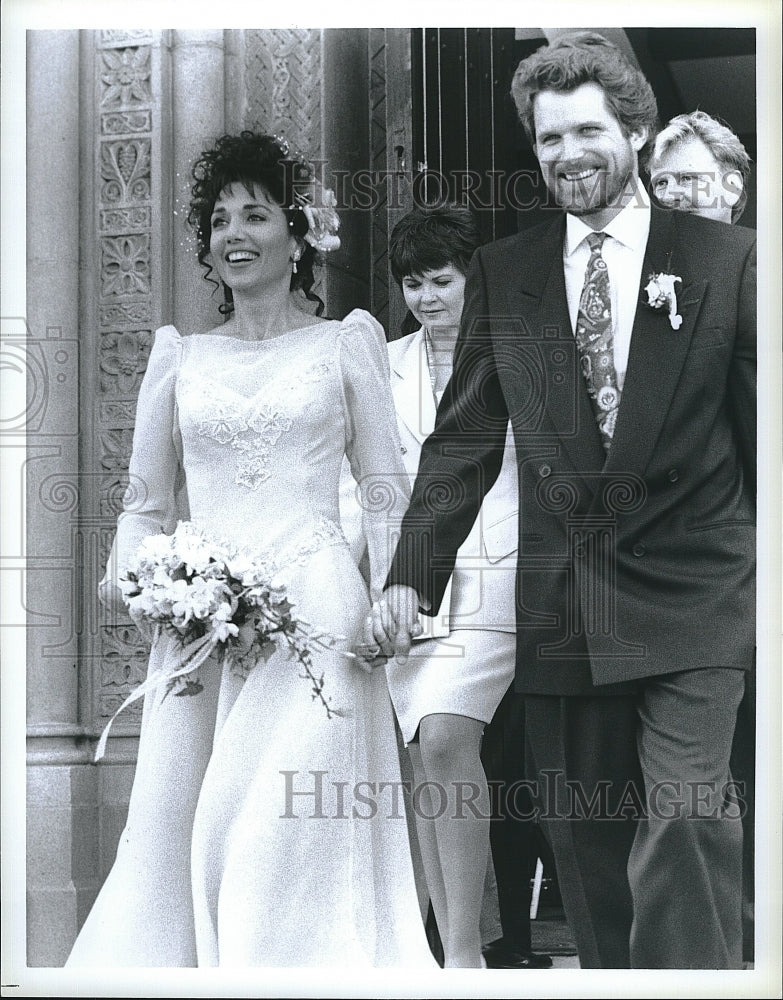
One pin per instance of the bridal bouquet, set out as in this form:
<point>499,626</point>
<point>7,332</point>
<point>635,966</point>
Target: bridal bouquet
<point>213,598</point>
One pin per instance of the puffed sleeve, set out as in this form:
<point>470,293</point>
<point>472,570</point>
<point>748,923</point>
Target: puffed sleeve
<point>154,497</point>
<point>372,439</point>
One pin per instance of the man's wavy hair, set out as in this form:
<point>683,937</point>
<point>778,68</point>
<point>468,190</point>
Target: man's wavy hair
<point>573,59</point>
<point>256,161</point>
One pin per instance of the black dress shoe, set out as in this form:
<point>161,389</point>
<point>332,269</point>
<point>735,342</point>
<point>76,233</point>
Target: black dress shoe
<point>500,957</point>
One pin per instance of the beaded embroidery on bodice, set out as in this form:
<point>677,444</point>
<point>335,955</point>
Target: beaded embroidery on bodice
<point>251,428</point>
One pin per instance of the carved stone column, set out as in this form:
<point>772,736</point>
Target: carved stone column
<point>197,113</point>
<point>50,348</point>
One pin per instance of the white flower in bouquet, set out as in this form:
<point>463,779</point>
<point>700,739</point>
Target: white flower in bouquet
<point>277,593</point>
<point>160,576</point>
<point>213,571</point>
<point>143,605</point>
<point>194,550</point>
<point>251,572</point>
<point>222,626</point>
<point>155,552</point>
<point>128,587</point>
<point>193,599</point>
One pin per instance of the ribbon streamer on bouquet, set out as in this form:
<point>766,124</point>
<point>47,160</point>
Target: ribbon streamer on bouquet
<point>193,655</point>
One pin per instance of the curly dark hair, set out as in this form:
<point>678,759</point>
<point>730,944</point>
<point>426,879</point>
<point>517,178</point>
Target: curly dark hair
<point>255,160</point>
<point>430,237</point>
<point>586,57</point>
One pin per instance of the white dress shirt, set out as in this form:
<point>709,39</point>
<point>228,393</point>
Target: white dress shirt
<point>623,251</point>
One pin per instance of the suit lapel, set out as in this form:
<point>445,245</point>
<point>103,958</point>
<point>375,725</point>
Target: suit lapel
<point>657,353</point>
<point>540,297</point>
<point>412,393</point>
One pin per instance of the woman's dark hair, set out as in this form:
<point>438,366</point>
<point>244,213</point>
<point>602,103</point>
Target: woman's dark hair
<point>257,161</point>
<point>575,58</point>
<point>431,237</point>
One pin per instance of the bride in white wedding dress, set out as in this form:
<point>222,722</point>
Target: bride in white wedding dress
<point>260,831</point>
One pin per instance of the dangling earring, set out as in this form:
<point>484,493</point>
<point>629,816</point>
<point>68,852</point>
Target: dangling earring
<point>294,259</point>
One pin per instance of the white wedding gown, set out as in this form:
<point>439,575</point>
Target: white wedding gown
<point>260,832</point>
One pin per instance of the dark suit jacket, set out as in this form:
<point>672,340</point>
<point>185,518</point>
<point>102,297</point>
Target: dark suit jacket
<point>629,567</point>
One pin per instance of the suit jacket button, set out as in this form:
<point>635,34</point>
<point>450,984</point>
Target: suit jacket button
<point>544,471</point>
<point>403,449</point>
<point>639,550</point>
<point>673,475</point>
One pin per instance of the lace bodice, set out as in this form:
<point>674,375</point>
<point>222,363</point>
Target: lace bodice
<point>260,429</point>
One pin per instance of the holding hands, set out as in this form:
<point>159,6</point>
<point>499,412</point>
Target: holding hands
<point>393,621</point>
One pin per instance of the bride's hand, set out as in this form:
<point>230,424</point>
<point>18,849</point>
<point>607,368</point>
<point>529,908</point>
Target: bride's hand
<point>392,623</point>
<point>145,628</point>
<point>368,656</point>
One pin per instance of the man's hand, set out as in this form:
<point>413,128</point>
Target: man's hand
<point>392,623</point>
<point>110,596</point>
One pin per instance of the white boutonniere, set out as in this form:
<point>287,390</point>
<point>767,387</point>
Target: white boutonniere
<point>661,295</point>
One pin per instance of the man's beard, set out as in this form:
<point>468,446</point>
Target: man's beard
<point>594,193</point>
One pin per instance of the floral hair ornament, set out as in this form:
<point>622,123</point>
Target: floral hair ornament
<point>317,202</point>
<point>661,295</point>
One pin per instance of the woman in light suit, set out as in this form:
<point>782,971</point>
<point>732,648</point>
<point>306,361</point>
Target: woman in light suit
<point>461,667</point>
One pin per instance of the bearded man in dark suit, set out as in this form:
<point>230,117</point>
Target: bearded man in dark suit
<point>619,340</point>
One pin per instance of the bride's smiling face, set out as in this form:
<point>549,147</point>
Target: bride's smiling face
<point>251,243</point>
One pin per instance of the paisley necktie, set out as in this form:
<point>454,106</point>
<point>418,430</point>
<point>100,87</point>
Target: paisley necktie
<point>595,341</point>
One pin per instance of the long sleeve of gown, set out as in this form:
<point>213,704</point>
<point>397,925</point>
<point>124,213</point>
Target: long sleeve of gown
<point>155,473</point>
<point>372,440</point>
